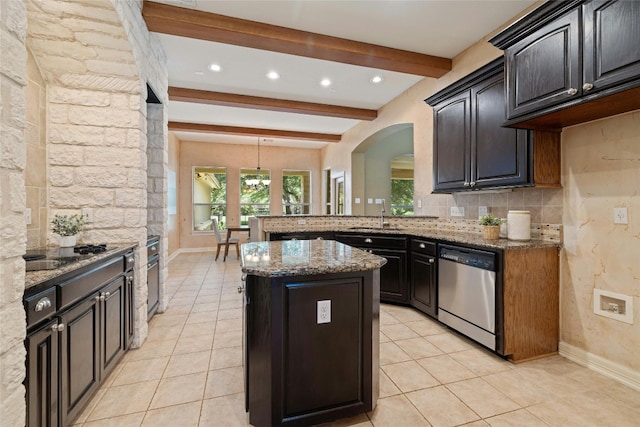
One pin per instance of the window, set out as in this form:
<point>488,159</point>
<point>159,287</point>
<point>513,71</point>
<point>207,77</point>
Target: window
<point>209,197</point>
<point>327,191</point>
<point>255,193</point>
<point>402,186</point>
<point>296,192</point>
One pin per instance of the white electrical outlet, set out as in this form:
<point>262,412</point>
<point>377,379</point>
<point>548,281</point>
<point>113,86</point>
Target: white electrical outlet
<point>27,216</point>
<point>302,222</point>
<point>370,201</point>
<point>357,200</point>
<point>87,213</point>
<point>457,211</point>
<point>419,203</point>
<point>324,311</point>
<point>620,216</point>
<point>378,201</point>
<point>483,210</point>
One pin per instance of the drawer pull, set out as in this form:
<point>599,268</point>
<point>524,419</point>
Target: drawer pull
<point>43,304</point>
<point>153,248</point>
<point>240,289</point>
<point>432,260</point>
<point>130,260</point>
<point>319,238</point>
<point>422,246</point>
<point>107,294</point>
<point>587,87</point>
<point>368,240</point>
<point>572,91</point>
<point>58,327</point>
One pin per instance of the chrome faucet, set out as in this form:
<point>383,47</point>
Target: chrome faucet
<point>382,211</point>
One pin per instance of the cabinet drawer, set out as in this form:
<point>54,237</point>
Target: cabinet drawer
<point>423,246</point>
<point>40,306</point>
<point>82,285</point>
<point>372,241</point>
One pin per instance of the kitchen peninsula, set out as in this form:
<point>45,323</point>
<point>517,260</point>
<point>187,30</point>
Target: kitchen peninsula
<point>311,331</point>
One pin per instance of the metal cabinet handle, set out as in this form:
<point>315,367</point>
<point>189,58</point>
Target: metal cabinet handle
<point>422,246</point>
<point>240,289</point>
<point>97,298</point>
<point>472,183</point>
<point>431,260</point>
<point>131,259</point>
<point>466,184</point>
<point>572,91</point>
<point>58,327</point>
<point>319,238</point>
<point>44,303</point>
<point>153,248</point>
<point>587,87</point>
<point>368,240</point>
<point>107,294</point>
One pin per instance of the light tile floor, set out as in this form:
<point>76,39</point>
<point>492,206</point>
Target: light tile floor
<point>189,371</point>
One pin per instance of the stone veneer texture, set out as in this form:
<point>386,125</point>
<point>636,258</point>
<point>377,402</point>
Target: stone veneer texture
<point>95,59</point>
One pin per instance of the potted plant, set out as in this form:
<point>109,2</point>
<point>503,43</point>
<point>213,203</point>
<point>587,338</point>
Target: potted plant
<point>67,227</point>
<point>491,226</point>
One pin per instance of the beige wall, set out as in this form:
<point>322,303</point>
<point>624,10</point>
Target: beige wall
<point>601,170</point>
<point>174,166</point>
<point>36,165</point>
<point>234,157</point>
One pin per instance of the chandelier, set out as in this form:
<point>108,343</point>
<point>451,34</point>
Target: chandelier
<point>257,181</point>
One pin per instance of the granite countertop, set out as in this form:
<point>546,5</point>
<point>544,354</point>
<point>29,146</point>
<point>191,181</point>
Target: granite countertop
<point>441,235</point>
<point>305,257</point>
<point>68,262</point>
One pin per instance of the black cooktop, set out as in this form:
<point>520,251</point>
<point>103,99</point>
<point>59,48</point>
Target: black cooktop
<point>52,258</point>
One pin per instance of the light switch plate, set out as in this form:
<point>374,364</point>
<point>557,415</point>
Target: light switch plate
<point>324,311</point>
<point>357,200</point>
<point>457,210</point>
<point>620,216</point>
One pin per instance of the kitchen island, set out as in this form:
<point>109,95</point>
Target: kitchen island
<point>311,331</point>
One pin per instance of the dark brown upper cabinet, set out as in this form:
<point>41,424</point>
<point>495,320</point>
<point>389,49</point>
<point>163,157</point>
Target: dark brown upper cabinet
<point>471,148</point>
<point>571,62</point>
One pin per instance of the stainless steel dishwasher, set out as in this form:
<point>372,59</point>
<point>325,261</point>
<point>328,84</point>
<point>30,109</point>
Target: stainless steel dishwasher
<point>467,292</point>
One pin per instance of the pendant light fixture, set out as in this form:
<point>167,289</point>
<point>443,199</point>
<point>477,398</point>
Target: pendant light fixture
<point>256,182</point>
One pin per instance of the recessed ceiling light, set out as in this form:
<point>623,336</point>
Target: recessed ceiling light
<point>215,68</point>
<point>273,75</point>
<point>325,82</point>
<point>376,79</point>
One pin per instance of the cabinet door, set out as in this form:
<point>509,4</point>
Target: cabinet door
<point>499,155</point>
<point>423,283</point>
<point>79,356</point>
<point>393,283</point>
<point>153,287</point>
<point>611,43</point>
<point>544,67</point>
<point>451,142</point>
<point>42,376</point>
<point>112,324</point>
<point>130,307</point>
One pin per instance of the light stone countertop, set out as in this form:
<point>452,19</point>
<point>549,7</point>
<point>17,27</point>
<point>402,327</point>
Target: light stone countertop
<point>305,257</point>
<point>443,236</point>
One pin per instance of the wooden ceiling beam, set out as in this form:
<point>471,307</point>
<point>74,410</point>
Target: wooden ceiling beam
<point>246,131</point>
<point>178,21</point>
<point>272,104</point>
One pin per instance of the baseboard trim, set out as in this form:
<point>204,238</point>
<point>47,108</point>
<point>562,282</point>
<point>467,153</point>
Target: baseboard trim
<point>599,364</point>
<point>190,250</point>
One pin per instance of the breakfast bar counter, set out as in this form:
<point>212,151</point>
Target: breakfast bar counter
<point>311,331</point>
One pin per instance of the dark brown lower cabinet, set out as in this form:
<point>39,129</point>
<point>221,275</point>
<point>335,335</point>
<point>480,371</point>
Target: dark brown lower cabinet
<point>423,284</point>
<point>42,376</point>
<point>393,282</point>
<point>69,355</point>
<point>300,372</point>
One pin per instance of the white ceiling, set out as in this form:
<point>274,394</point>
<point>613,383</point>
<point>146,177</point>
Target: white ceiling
<point>433,27</point>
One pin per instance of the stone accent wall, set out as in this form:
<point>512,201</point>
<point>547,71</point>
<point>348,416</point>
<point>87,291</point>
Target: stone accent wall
<point>157,214</point>
<point>95,60</point>
<point>13,79</point>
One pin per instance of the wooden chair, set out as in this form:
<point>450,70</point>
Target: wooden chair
<point>222,241</point>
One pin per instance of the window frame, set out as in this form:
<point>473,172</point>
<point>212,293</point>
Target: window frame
<point>308,193</point>
<point>211,205</point>
<point>262,173</point>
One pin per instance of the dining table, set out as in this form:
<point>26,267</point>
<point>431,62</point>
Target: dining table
<point>230,230</point>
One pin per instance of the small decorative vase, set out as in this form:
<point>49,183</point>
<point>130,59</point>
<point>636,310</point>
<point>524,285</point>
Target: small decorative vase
<point>491,232</point>
<point>67,241</point>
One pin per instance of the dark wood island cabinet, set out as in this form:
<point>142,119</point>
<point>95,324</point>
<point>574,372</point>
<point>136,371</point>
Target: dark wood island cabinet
<point>311,328</point>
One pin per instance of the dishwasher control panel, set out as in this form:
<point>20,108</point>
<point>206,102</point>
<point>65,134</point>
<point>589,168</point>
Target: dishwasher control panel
<point>470,257</point>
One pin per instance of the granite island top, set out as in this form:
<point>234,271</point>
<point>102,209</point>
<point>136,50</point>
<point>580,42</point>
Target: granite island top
<point>68,261</point>
<point>305,257</point>
<point>444,236</point>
